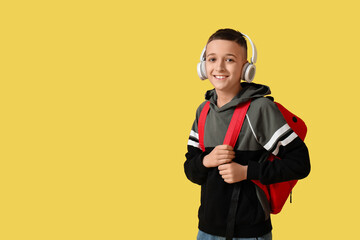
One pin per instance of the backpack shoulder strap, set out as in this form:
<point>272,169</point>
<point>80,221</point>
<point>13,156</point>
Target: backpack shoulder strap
<point>236,123</point>
<point>231,137</point>
<point>234,128</point>
<point>201,124</point>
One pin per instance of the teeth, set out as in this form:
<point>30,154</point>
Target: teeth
<point>220,77</point>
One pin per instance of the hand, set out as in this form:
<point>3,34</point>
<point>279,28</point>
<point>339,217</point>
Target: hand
<point>219,155</point>
<point>233,172</point>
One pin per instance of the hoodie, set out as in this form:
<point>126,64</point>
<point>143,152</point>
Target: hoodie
<point>264,131</point>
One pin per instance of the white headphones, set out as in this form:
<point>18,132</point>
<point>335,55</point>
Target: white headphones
<point>248,71</point>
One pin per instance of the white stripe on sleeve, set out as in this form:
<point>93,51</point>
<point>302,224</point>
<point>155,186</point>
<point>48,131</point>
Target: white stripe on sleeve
<point>193,143</point>
<point>194,134</point>
<point>284,142</point>
<point>276,136</point>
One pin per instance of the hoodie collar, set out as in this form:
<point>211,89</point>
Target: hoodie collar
<point>248,91</point>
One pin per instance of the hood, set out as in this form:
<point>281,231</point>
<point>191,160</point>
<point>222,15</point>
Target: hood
<point>248,91</point>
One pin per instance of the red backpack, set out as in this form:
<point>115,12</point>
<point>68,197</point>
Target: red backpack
<point>276,193</point>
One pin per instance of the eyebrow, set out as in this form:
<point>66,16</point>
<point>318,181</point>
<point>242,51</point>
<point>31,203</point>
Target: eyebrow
<point>228,54</point>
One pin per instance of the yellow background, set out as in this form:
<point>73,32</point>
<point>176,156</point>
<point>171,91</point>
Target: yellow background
<point>97,99</point>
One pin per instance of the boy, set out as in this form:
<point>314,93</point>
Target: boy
<point>220,168</point>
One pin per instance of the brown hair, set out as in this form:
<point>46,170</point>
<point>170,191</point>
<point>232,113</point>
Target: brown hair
<point>229,34</point>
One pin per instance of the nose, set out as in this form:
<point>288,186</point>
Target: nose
<point>220,65</point>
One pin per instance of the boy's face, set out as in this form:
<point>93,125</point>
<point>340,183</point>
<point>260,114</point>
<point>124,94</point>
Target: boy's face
<point>224,62</point>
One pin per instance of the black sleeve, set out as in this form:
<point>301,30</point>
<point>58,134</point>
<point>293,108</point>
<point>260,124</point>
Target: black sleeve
<point>195,171</point>
<point>294,163</point>
<point>277,138</point>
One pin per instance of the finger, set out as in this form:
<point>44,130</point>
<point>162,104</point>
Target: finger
<point>226,160</point>
<point>222,162</point>
<point>227,178</point>
<point>225,147</point>
<point>225,155</point>
<point>225,152</point>
<point>224,172</point>
<point>228,147</point>
<point>223,166</point>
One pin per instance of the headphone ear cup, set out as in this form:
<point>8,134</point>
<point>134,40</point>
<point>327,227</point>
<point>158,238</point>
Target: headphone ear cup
<point>248,72</point>
<point>201,69</point>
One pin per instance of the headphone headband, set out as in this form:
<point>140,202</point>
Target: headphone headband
<point>254,52</point>
<point>202,56</point>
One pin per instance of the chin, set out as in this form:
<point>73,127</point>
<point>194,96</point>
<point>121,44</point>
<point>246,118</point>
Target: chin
<point>222,88</point>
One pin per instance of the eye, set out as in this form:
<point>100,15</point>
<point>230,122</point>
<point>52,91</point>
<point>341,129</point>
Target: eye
<point>230,60</point>
<point>211,59</point>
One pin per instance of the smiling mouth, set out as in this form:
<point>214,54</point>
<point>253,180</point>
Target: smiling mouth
<point>220,76</point>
